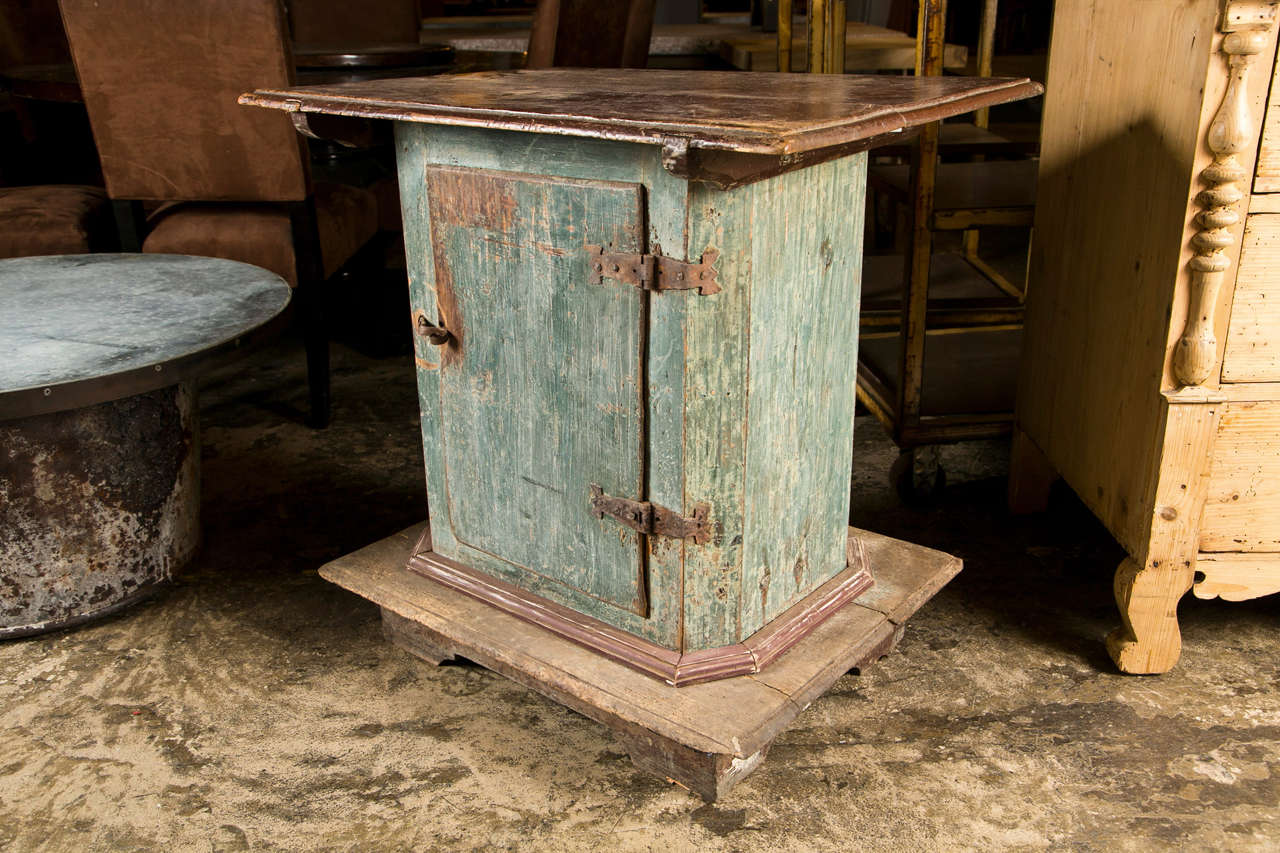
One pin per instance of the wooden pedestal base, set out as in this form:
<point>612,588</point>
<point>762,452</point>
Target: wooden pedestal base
<point>705,736</point>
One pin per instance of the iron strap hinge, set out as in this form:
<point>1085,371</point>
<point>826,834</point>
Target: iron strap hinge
<point>654,271</point>
<point>651,519</point>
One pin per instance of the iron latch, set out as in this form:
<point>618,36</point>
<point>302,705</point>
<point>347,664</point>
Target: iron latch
<point>654,271</point>
<point>651,519</point>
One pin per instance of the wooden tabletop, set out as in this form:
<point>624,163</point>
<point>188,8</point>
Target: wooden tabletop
<point>82,329</point>
<point>728,110</point>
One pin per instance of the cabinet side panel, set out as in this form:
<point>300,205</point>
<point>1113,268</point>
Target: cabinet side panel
<point>806,256</point>
<point>715,410</point>
<point>1121,145</point>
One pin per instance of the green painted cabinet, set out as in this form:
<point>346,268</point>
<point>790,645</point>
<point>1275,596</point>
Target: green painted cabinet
<point>636,295</point>
<point>739,400</point>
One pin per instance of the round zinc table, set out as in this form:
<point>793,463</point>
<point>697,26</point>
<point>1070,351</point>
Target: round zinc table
<point>99,455</point>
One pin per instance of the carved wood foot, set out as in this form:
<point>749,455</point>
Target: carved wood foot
<point>1149,641</point>
<point>416,639</point>
<point>710,775</point>
<point>1030,476</point>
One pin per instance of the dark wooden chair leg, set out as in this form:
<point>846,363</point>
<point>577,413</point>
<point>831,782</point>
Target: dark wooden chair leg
<point>130,224</point>
<point>316,341</point>
<point>310,307</point>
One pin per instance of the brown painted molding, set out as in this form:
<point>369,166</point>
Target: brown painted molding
<point>750,656</point>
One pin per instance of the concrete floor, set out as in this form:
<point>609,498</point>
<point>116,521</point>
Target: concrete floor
<point>255,706</point>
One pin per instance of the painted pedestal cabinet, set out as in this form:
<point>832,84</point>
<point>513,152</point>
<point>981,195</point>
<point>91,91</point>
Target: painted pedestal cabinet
<point>1150,378</point>
<point>636,298</point>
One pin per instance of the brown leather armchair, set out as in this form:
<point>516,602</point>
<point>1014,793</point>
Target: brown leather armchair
<point>54,219</point>
<point>160,81</point>
<point>590,34</point>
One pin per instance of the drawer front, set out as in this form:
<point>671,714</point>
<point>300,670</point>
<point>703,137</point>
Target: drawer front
<point>1242,512</point>
<point>1267,171</point>
<point>1253,338</point>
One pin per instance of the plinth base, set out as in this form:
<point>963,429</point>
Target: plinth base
<point>705,736</point>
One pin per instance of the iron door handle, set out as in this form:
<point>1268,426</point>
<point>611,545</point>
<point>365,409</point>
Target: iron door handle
<point>434,334</point>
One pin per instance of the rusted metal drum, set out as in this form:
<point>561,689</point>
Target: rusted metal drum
<point>99,449</point>
<point>98,505</point>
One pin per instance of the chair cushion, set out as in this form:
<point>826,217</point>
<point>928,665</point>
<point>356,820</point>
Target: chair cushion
<point>53,220</point>
<point>260,234</point>
<point>256,234</point>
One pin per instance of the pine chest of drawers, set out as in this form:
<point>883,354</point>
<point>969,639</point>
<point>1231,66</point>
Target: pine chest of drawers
<point>1151,367</point>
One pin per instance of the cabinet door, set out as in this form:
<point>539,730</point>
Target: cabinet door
<point>542,396</point>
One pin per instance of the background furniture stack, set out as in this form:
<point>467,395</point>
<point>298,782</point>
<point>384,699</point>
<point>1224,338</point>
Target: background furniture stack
<point>942,329</point>
<point>1151,375</point>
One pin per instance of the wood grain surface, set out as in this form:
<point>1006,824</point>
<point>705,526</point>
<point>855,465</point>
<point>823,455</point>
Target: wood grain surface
<point>1253,336</point>
<point>749,112</point>
<point>733,718</point>
<point>1237,577</point>
<point>1267,175</point>
<point>1107,293</point>
<point>1242,512</point>
<point>545,397</point>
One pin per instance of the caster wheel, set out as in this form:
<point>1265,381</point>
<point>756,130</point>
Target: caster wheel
<point>918,477</point>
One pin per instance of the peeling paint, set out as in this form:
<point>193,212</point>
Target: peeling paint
<point>97,505</point>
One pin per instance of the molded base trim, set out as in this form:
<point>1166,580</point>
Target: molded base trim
<point>750,656</point>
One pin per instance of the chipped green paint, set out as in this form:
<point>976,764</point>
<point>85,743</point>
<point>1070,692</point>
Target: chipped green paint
<point>544,397</point>
<point>747,399</point>
<point>770,393</point>
<point>805,286</point>
<point>424,147</point>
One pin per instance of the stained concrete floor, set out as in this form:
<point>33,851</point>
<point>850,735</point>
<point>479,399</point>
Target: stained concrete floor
<point>253,706</point>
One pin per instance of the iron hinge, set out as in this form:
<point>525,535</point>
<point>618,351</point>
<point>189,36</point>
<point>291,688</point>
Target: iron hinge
<point>654,271</point>
<point>651,519</point>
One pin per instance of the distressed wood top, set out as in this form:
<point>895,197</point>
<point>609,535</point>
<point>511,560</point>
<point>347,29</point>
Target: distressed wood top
<point>755,113</point>
<point>82,329</point>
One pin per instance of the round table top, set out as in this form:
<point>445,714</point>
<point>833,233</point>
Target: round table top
<point>77,330</point>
